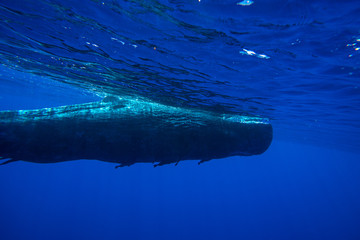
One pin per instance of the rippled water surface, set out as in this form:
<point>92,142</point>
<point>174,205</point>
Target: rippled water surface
<point>295,62</point>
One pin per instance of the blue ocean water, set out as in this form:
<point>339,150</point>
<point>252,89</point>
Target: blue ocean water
<point>295,62</point>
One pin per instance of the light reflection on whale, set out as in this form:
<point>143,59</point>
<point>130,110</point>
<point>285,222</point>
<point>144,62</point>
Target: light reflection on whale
<point>127,131</point>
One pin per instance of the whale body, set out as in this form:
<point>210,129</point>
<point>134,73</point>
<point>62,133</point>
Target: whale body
<point>127,131</point>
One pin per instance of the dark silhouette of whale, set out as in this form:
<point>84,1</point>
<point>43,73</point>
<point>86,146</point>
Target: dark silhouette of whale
<point>127,131</point>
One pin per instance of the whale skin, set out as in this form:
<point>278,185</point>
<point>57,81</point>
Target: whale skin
<point>128,130</point>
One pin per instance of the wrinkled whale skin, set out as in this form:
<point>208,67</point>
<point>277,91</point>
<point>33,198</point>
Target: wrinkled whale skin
<point>128,131</point>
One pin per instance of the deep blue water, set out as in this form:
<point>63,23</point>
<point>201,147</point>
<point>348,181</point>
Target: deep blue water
<point>295,62</point>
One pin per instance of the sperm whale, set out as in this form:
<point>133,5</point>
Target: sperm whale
<point>127,131</point>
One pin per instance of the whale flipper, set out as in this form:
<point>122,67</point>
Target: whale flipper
<point>9,161</point>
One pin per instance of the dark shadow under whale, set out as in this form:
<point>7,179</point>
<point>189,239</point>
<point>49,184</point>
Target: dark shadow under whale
<point>128,131</point>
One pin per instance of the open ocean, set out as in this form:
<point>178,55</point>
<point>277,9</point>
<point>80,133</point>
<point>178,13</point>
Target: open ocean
<point>294,62</point>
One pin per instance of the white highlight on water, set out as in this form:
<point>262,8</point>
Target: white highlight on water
<point>252,53</point>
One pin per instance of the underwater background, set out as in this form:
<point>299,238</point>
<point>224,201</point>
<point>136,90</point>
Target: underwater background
<point>294,62</point>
